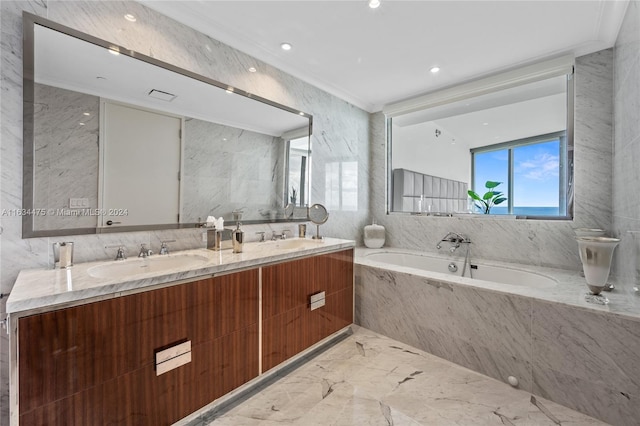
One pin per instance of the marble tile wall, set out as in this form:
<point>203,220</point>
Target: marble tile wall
<point>577,357</point>
<point>536,242</point>
<point>65,154</point>
<point>219,178</point>
<point>341,130</point>
<point>626,173</point>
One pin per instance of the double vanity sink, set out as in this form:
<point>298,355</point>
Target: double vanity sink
<point>147,331</point>
<point>147,265</point>
<point>159,264</point>
<point>42,288</point>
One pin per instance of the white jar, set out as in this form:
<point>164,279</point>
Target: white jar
<point>374,235</point>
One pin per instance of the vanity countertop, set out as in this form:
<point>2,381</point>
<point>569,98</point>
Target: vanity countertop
<point>38,290</point>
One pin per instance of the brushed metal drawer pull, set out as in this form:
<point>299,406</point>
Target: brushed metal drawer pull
<point>317,300</point>
<point>173,357</point>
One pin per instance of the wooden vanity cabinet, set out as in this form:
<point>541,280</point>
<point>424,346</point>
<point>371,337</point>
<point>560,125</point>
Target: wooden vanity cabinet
<point>95,363</point>
<point>289,326</point>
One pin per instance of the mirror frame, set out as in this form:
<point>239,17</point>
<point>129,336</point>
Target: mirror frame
<point>29,21</point>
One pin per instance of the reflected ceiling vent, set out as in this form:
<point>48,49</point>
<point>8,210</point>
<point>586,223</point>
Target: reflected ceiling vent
<point>163,96</point>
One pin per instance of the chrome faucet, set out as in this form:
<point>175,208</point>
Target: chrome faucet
<point>120,253</point>
<point>144,252</point>
<point>282,236</point>
<point>164,249</point>
<point>455,239</point>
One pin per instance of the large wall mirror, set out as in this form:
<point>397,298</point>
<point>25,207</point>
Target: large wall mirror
<point>117,141</point>
<point>508,138</point>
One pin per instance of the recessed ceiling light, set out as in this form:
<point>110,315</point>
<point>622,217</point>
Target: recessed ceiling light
<point>82,124</point>
<point>434,70</point>
<point>301,113</point>
<point>114,50</point>
<point>252,69</point>
<point>229,89</point>
<point>374,4</point>
<point>129,17</point>
<point>286,46</point>
<point>485,124</point>
<point>86,113</point>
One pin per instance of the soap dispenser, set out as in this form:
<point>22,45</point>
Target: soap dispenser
<point>237,238</point>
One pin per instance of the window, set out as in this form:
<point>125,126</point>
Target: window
<point>341,185</point>
<point>532,171</point>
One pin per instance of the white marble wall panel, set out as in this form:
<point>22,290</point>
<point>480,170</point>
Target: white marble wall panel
<point>485,331</point>
<point>626,173</point>
<point>65,155</point>
<point>586,360</point>
<point>545,243</point>
<point>221,176</point>
<point>340,129</point>
<point>25,252</point>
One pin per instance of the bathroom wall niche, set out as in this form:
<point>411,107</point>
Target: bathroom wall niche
<point>232,146</point>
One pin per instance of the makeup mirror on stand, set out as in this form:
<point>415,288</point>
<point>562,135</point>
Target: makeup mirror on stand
<point>318,214</point>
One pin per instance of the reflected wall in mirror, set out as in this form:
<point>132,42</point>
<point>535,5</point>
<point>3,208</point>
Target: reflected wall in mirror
<point>519,135</point>
<point>118,141</point>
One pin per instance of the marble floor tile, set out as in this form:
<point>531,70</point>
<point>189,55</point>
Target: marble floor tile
<point>369,379</point>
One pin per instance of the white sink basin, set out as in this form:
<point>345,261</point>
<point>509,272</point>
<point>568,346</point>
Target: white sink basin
<point>292,244</point>
<point>153,264</point>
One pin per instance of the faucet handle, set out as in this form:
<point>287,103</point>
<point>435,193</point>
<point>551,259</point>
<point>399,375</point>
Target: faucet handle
<point>261,233</point>
<point>164,249</point>
<point>120,255</point>
<point>144,252</point>
<point>284,234</point>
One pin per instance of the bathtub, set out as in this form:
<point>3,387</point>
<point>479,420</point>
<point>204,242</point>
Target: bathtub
<point>476,271</point>
<point>509,321</point>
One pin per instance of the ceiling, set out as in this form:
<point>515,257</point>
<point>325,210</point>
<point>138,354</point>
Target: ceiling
<point>374,57</point>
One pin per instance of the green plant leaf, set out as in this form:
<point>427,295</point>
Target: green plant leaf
<point>491,184</point>
<point>499,200</point>
<point>473,195</point>
<point>488,195</point>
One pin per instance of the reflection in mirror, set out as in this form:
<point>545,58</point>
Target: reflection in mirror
<point>117,141</point>
<point>519,136</point>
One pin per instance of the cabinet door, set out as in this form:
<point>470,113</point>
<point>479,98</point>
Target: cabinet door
<point>95,363</point>
<point>289,325</point>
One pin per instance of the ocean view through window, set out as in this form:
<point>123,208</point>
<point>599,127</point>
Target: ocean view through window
<point>531,171</point>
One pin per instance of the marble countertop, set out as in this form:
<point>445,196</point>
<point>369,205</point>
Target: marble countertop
<point>570,290</point>
<point>38,290</point>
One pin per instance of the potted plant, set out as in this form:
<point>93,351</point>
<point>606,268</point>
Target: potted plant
<point>489,199</point>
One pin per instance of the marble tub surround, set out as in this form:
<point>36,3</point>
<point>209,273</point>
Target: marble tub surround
<point>570,290</point>
<point>44,289</point>
<point>372,379</point>
<point>559,346</point>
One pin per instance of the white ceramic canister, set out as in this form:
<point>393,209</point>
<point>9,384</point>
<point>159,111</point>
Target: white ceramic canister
<point>374,235</point>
